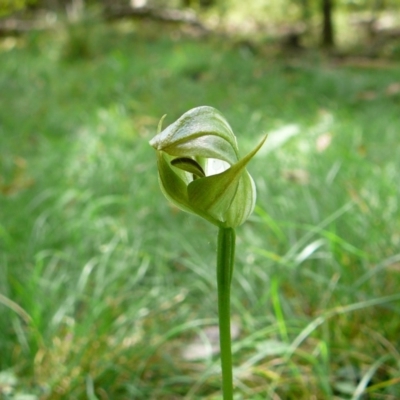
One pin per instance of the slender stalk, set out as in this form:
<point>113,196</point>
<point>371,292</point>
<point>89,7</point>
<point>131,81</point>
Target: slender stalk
<point>225,262</point>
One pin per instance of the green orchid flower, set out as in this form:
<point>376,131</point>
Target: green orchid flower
<point>200,169</point>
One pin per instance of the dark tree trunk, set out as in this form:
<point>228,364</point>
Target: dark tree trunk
<point>328,39</point>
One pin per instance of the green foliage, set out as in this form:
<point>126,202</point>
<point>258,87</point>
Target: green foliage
<point>11,6</point>
<point>96,293</point>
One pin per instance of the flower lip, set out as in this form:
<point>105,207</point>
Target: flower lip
<point>189,165</point>
<point>213,166</point>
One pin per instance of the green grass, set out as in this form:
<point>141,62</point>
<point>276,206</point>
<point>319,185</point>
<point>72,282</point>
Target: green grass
<point>103,284</point>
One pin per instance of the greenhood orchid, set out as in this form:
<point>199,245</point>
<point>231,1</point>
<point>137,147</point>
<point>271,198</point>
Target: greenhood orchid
<point>201,172</point>
<point>200,169</point>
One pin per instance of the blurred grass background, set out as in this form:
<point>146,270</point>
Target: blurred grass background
<point>103,285</point>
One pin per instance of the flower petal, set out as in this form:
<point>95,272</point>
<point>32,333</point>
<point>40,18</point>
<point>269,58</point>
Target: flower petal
<point>200,132</point>
<point>228,197</point>
<point>214,194</point>
<point>173,184</point>
<point>243,203</point>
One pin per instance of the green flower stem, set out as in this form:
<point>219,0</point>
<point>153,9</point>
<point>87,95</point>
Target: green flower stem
<point>225,262</point>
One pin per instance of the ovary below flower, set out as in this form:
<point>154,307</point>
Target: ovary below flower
<point>200,170</point>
